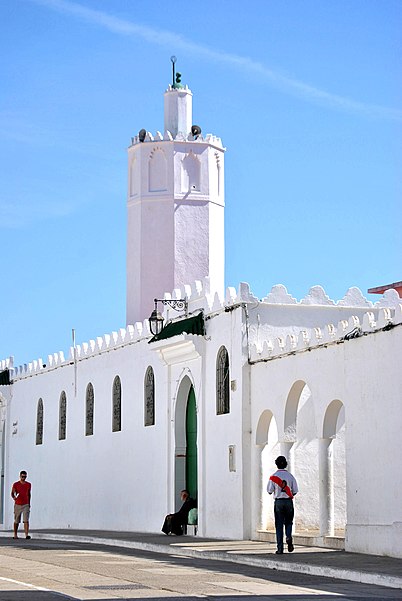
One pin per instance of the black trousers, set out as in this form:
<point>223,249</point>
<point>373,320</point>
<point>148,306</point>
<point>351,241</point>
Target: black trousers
<point>284,512</point>
<point>173,524</point>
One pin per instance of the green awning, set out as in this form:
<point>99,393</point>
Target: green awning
<point>5,378</point>
<point>192,325</point>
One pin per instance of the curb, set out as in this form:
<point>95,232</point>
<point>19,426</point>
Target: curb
<point>271,564</point>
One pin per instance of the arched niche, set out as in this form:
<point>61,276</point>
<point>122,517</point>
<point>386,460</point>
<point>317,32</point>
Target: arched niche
<point>334,418</point>
<point>299,444</point>
<point>265,451</point>
<point>157,171</point>
<point>261,435</point>
<point>190,173</point>
<point>134,175</point>
<point>332,460</point>
<point>298,392</point>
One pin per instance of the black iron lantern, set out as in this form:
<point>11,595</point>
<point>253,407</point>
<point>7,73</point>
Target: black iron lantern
<point>156,319</point>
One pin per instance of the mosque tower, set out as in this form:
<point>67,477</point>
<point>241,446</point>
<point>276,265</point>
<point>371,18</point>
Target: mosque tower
<point>175,207</point>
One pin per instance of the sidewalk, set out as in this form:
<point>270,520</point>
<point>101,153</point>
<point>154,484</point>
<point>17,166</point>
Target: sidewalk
<point>368,569</point>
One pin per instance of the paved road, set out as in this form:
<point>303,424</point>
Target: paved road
<point>50,571</point>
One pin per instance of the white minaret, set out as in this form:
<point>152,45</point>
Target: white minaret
<point>175,207</point>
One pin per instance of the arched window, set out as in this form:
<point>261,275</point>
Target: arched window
<point>39,422</point>
<point>116,426</point>
<point>222,382</point>
<point>149,398</point>
<point>89,410</point>
<point>62,416</point>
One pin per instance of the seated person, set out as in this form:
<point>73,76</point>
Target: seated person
<point>174,522</point>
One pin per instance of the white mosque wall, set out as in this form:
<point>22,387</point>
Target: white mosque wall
<point>110,480</point>
<point>224,503</point>
<point>316,397</point>
<point>362,375</point>
<point>126,480</point>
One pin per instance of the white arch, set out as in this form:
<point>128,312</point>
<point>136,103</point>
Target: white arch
<point>264,422</point>
<point>191,173</point>
<point>264,452</point>
<point>183,388</point>
<point>157,166</point>
<point>292,403</point>
<point>329,427</point>
<point>332,471</point>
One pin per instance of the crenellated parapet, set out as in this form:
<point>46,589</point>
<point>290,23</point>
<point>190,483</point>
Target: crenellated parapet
<point>7,363</point>
<point>318,297</point>
<point>266,341</point>
<point>210,139</point>
<point>317,337</point>
<point>102,344</point>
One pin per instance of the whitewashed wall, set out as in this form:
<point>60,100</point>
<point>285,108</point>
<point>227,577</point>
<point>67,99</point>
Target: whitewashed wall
<point>363,374</point>
<point>109,480</point>
<point>126,480</point>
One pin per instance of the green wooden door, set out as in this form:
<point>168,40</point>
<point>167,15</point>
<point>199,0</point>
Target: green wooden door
<point>191,445</point>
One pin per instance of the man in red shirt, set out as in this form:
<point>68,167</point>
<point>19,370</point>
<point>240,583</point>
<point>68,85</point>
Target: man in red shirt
<point>21,493</point>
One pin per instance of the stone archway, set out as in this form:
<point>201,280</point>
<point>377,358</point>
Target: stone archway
<point>332,464</point>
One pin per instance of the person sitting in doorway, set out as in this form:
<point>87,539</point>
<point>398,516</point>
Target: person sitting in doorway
<point>174,522</point>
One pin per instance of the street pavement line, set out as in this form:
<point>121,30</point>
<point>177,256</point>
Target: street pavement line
<point>37,588</point>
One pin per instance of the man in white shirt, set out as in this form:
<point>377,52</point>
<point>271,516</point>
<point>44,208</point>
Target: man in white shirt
<point>282,484</point>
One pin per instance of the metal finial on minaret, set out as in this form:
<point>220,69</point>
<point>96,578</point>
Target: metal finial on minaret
<point>173,59</point>
<point>176,84</point>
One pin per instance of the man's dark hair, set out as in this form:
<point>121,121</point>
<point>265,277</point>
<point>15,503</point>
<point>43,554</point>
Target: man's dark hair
<point>281,462</point>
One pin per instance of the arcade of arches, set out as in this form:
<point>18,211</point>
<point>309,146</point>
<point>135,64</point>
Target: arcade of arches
<point>315,449</point>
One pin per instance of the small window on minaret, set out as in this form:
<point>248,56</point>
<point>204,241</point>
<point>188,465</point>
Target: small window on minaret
<point>191,174</point>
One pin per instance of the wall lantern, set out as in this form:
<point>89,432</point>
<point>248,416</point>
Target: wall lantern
<point>156,319</point>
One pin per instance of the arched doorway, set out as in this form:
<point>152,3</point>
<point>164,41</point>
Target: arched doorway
<point>191,446</point>
<point>186,452</point>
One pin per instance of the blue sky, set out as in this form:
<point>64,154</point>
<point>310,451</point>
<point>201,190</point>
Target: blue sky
<point>306,97</point>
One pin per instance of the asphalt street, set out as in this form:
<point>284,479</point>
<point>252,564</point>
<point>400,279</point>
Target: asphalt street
<point>39,570</point>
